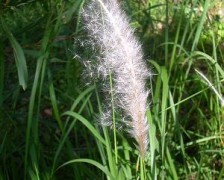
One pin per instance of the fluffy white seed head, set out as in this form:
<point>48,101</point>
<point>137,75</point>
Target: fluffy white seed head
<point>120,54</point>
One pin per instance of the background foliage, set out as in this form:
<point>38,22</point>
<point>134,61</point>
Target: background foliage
<point>47,112</point>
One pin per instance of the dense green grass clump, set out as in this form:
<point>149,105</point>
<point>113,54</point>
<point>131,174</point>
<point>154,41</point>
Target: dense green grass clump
<point>49,113</point>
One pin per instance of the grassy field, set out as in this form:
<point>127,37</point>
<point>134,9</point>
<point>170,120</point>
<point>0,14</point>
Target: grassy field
<point>50,104</point>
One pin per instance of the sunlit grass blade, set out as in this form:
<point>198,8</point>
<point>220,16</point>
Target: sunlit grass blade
<point>202,140</point>
<point>201,23</point>
<point>198,33</point>
<point>165,89</point>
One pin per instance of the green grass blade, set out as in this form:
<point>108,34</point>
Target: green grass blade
<point>204,56</point>
<point>68,128</point>
<point>19,56</point>
<point>85,122</point>
<point>34,104</point>
<point>3,143</point>
<point>92,162</point>
<point>113,118</point>
<point>164,78</point>
<point>171,165</point>
<point>198,33</point>
<point>2,71</point>
<point>110,157</point>
<point>79,98</point>
<point>154,145</point>
<point>201,23</point>
<point>127,168</point>
<point>55,106</point>
<point>202,140</point>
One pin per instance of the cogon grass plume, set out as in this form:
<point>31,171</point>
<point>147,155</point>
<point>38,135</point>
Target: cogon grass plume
<point>119,55</point>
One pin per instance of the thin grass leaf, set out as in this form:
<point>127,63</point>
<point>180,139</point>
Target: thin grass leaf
<point>55,106</point>
<point>127,174</point>
<point>110,157</point>
<point>31,127</point>
<point>164,78</point>
<point>154,145</point>
<point>201,23</point>
<point>32,122</point>
<point>2,71</point>
<point>174,49</point>
<point>221,99</point>
<point>67,130</point>
<point>204,56</point>
<point>67,15</point>
<point>186,99</point>
<point>19,56</point>
<point>85,122</point>
<point>171,165</point>
<point>92,162</point>
<point>81,97</point>
<point>127,168</point>
<point>3,143</point>
<point>198,33</point>
<point>202,140</point>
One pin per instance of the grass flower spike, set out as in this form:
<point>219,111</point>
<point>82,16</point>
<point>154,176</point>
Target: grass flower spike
<point>120,55</point>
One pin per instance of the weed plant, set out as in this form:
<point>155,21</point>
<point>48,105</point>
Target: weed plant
<point>49,114</point>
